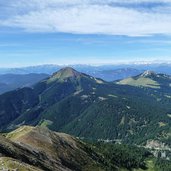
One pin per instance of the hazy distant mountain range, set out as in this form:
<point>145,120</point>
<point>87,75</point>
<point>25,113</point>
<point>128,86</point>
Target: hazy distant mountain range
<point>10,82</point>
<point>21,77</point>
<point>49,69</point>
<point>11,79</point>
<point>107,72</point>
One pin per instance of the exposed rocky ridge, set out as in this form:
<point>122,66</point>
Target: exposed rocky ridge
<point>49,151</point>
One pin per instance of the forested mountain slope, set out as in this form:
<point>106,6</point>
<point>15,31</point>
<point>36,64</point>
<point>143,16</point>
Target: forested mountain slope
<point>84,106</point>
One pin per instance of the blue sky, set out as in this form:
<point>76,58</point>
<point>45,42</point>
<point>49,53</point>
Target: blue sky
<point>82,31</point>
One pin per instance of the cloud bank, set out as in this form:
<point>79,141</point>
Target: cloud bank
<point>108,17</point>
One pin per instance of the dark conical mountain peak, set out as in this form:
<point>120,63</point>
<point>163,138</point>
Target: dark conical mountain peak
<point>64,74</point>
<point>148,73</point>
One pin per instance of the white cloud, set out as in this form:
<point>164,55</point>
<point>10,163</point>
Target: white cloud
<point>89,17</point>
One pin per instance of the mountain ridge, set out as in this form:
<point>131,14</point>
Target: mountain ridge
<point>65,73</point>
<point>88,107</point>
<point>39,149</point>
<point>148,79</point>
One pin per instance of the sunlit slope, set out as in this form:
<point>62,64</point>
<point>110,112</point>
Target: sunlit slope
<point>47,150</point>
<point>147,79</point>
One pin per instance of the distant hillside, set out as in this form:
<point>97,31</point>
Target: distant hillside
<point>115,74</point>
<point>10,82</point>
<point>84,106</point>
<point>148,79</point>
<point>106,72</point>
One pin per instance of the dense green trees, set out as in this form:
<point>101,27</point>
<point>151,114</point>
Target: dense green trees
<point>123,156</point>
<point>163,165</point>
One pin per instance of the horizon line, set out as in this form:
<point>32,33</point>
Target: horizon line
<point>135,62</point>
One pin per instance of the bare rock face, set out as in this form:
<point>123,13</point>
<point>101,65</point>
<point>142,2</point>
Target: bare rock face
<point>148,73</point>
